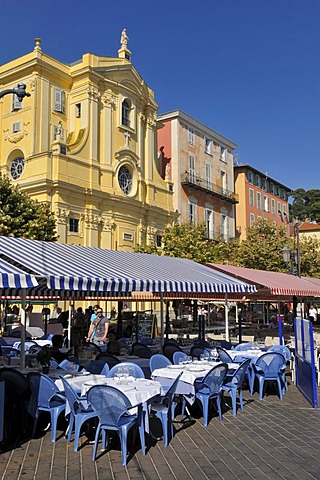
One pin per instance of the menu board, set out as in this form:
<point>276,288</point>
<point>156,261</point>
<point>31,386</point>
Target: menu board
<point>146,324</point>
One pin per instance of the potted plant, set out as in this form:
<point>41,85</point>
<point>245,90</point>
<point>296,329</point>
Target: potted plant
<point>44,356</point>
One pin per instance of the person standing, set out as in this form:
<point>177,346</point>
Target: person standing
<point>313,313</point>
<point>98,330</point>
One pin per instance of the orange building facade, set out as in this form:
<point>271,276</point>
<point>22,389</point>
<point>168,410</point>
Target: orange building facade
<point>197,162</point>
<point>259,197</point>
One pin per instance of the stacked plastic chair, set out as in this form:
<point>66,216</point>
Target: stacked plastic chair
<point>270,367</point>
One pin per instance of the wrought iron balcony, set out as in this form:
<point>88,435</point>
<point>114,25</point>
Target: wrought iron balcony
<point>199,183</point>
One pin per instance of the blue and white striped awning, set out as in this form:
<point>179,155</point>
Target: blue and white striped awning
<point>13,277</point>
<point>82,269</point>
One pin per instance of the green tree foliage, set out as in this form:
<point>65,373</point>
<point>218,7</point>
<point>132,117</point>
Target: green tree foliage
<point>262,249</point>
<point>305,205</point>
<point>20,216</point>
<point>187,241</point>
<point>309,247</point>
<point>151,249</point>
<point>184,241</point>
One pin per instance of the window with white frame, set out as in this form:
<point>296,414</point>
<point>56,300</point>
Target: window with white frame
<point>252,219</point>
<point>73,225</point>
<point>249,176</point>
<point>192,171</point>
<point>191,136</point>
<point>209,221</point>
<point>59,100</point>
<point>251,197</point>
<point>284,211</point>
<point>259,200</point>
<point>208,175</point>
<point>224,226</point>
<point>16,103</point>
<point>272,188</point>
<point>223,154</point>
<point>16,127</point>
<point>258,181</point>
<point>278,191</point>
<point>273,206</point>
<point>264,184</point>
<point>266,206</point>
<point>192,212</point>
<point>279,209</point>
<point>208,146</point>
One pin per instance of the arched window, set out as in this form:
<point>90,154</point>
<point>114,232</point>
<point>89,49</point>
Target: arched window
<point>125,179</point>
<point>126,107</point>
<point>17,167</point>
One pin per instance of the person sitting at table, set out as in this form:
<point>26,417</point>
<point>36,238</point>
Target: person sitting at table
<point>57,342</point>
<point>113,345</point>
<point>273,324</point>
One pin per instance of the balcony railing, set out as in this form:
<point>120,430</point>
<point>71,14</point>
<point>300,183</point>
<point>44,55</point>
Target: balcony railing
<point>202,184</point>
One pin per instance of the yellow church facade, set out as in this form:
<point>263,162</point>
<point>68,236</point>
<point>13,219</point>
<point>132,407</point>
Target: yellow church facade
<point>85,142</point>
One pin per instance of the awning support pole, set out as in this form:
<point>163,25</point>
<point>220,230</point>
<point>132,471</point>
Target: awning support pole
<point>23,330</point>
<point>161,320</point>
<point>226,316</point>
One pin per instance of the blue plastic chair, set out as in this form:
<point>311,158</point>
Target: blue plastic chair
<point>158,361</point>
<point>80,412</point>
<point>113,409</point>
<point>285,351</point>
<point>196,351</point>
<point>243,346</point>
<point>164,410</point>
<point>209,388</point>
<point>177,356</point>
<point>27,345</point>
<point>223,355</point>
<point>234,385</point>
<point>97,367</point>
<point>54,363</point>
<point>269,367</point>
<point>131,368</point>
<point>45,396</point>
<point>66,364</point>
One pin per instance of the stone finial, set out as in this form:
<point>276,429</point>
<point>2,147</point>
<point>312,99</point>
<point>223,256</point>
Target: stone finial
<point>124,52</point>
<point>37,42</point>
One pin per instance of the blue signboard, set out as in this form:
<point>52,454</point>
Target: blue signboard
<point>305,361</point>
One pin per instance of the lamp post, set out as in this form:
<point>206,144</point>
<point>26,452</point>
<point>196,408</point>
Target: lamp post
<point>292,257</point>
<point>20,91</point>
<point>291,260</point>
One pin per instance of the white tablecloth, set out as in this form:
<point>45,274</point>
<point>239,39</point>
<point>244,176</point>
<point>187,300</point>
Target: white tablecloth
<point>191,372</point>
<point>138,391</point>
<point>253,354</point>
<point>41,343</point>
<point>75,382</point>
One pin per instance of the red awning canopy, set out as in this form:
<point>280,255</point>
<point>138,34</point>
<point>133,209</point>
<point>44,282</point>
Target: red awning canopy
<point>277,283</point>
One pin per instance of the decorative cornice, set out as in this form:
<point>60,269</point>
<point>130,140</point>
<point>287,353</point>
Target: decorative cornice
<point>93,93</point>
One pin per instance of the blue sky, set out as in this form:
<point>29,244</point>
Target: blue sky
<point>249,69</point>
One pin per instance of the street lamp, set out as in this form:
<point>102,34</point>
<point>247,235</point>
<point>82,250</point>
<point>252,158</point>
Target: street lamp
<point>291,259</point>
<point>20,91</point>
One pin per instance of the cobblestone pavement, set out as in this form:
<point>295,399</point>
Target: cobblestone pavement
<point>271,439</point>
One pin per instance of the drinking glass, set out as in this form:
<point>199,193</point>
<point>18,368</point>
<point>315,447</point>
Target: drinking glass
<point>201,357</point>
